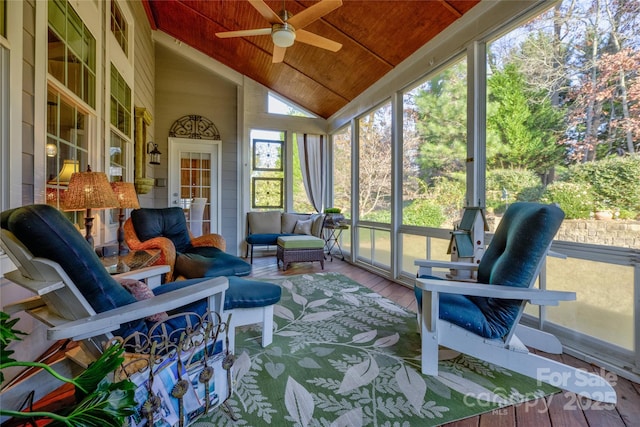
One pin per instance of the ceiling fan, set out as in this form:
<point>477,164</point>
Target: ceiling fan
<point>286,28</point>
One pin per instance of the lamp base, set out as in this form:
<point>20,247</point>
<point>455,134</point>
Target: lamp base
<point>123,249</point>
<point>88,225</point>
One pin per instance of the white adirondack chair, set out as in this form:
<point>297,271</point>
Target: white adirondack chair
<point>60,304</point>
<point>459,315</point>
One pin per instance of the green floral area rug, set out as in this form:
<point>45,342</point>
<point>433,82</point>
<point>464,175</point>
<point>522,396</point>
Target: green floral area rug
<point>343,355</point>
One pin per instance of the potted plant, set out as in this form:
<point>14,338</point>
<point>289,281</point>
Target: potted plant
<point>333,216</point>
<point>98,401</point>
<point>602,210</point>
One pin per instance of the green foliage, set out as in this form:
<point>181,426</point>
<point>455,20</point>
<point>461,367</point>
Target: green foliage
<point>101,402</point>
<point>614,181</point>
<point>108,405</point>
<point>383,216</point>
<point>526,123</point>
<point>449,194</point>
<point>7,335</point>
<point>332,210</point>
<point>442,124</point>
<point>506,186</point>
<point>576,200</point>
<point>423,212</point>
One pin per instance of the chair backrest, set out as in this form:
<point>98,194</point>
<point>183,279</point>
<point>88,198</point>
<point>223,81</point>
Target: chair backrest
<point>514,258</point>
<point>42,233</point>
<point>520,244</point>
<point>164,222</point>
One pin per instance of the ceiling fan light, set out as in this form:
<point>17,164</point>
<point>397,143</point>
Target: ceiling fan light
<point>283,35</point>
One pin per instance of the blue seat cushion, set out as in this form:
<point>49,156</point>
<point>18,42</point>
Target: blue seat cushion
<point>47,233</point>
<point>164,222</point>
<point>463,312</point>
<point>243,293</point>
<point>209,261</point>
<point>265,239</point>
<point>511,259</point>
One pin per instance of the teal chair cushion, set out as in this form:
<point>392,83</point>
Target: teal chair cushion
<point>512,259</point>
<point>164,222</point>
<point>47,233</point>
<point>208,261</point>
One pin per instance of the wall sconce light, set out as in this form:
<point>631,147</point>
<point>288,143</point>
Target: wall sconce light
<point>154,153</point>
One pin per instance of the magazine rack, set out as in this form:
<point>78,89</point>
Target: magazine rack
<point>178,378</point>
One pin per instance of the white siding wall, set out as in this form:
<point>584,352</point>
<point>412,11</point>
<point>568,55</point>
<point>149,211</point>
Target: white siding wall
<point>184,87</point>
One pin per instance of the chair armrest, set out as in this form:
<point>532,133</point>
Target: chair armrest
<point>23,305</point>
<point>425,266</point>
<point>215,240</point>
<point>167,249</point>
<point>111,320</point>
<point>533,295</point>
<point>446,264</point>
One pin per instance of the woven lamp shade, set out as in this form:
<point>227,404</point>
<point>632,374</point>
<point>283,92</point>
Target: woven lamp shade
<point>89,190</point>
<point>126,195</point>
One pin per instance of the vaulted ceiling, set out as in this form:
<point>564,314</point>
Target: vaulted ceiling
<point>375,36</point>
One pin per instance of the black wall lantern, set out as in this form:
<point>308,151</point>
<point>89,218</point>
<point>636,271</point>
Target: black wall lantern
<point>154,153</point>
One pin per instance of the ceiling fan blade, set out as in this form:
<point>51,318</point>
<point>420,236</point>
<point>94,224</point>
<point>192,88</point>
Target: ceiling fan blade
<point>244,33</point>
<point>266,11</point>
<point>317,41</point>
<point>312,13</point>
<point>278,54</point>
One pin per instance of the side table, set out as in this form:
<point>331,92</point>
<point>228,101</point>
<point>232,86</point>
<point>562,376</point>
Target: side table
<point>137,265</point>
<point>332,239</point>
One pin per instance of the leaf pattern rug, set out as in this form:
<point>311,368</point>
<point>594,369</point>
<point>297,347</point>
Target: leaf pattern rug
<point>343,355</point>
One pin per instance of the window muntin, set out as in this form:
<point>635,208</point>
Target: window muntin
<point>120,103</point>
<point>67,145</point>
<point>435,148</point>
<point>117,157</point>
<point>71,51</point>
<point>119,27</point>
<point>267,169</point>
<point>3,18</point>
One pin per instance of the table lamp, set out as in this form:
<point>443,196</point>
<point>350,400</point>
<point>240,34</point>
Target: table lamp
<point>127,199</point>
<point>89,190</point>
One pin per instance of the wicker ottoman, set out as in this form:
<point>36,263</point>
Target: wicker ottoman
<point>300,248</point>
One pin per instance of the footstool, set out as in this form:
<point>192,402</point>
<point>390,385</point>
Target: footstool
<point>300,248</point>
<point>248,302</point>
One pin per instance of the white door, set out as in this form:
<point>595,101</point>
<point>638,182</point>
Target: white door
<point>194,182</point>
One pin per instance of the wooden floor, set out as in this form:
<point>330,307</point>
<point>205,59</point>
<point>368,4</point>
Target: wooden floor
<point>560,410</point>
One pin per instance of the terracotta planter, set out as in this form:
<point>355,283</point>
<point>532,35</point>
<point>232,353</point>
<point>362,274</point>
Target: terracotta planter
<point>604,215</point>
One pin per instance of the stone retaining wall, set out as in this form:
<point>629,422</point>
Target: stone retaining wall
<point>621,233</point>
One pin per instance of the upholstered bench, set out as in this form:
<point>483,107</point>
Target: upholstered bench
<point>299,248</point>
<point>249,302</point>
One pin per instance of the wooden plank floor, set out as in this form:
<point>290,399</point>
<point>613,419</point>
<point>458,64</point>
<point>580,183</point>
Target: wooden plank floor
<point>564,409</point>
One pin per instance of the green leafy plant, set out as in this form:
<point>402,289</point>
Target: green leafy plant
<point>575,200</point>
<point>100,402</point>
<point>332,210</point>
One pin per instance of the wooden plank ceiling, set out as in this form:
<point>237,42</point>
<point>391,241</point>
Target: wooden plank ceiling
<point>375,35</point>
